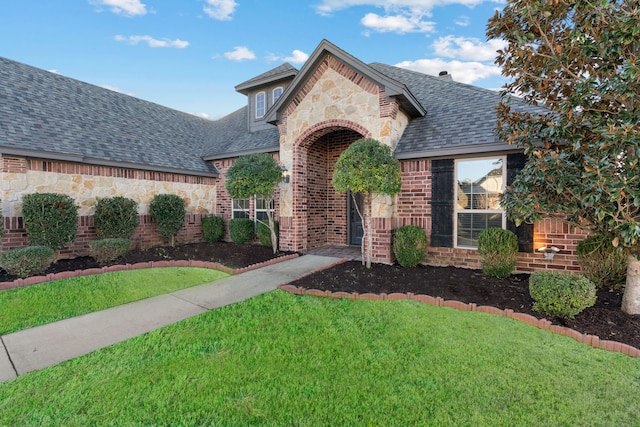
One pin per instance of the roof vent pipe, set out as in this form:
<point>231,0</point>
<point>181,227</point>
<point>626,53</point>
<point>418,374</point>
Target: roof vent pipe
<point>445,75</point>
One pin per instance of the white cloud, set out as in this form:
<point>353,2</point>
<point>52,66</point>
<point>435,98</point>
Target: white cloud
<point>296,57</point>
<point>201,115</point>
<point>417,7</point>
<point>468,48</point>
<point>116,89</point>
<point>123,7</point>
<point>240,53</point>
<point>463,21</point>
<point>133,40</point>
<point>222,10</point>
<point>397,23</point>
<point>463,72</point>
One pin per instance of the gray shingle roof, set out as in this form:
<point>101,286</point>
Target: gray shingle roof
<point>44,112</point>
<point>460,118</point>
<point>283,71</point>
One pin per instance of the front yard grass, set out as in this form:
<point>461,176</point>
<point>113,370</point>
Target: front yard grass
<point>280,359</point>
<point>36,305</point>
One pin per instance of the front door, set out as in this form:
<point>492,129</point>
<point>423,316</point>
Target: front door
<point>355,223</point>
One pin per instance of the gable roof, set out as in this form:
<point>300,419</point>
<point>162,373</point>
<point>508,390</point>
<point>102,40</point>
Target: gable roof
<point>393,88</point>
<point>47,115</point>
<point>282,72</point>
<point>461,120</point>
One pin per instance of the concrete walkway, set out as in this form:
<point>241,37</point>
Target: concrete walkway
<point>43,346</point>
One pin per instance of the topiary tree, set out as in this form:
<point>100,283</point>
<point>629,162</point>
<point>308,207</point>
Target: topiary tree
<point>115,217</point>
<point>256,175</point>
<point>50,219</point>
<point>581,60</point>
<point>367,167</point>
<point>168,212</point>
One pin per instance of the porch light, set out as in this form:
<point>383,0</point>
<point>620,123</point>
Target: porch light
<point>285,174</point>
<point>548,252</point>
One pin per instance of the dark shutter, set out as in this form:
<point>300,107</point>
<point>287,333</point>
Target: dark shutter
<point>442,203</point>
<point>515,162</point>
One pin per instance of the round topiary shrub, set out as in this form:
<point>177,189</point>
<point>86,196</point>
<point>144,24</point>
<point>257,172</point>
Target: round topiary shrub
<point>561,294</point>
<point>601,262</point>
<point>498,249</point>
<point>115,218</point>
<point>106,250</point>
<point>409,245</point>
<point>212,228</point>
<point>26,262</point>
<point>264,234</point>
<point>241,230</point>
<point>168,212</point>
<point>50,219</point>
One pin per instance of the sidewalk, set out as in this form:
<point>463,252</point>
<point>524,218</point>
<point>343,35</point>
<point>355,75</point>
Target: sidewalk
<point>43,346</point>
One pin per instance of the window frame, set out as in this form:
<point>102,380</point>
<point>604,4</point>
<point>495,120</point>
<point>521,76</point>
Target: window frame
<point>457,210</point>
<point>245,213</point>
<point>261,95</point>
<point>273,94</point>
<point>257,210</point>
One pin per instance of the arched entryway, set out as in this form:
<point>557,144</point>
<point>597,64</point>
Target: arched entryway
<point>320,215</point>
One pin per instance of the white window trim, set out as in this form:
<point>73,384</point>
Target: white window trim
<point>273,94</point>
<point>455,198</point>
<point>234,210</point>
<point>264,107</point>
<point>256,210</point>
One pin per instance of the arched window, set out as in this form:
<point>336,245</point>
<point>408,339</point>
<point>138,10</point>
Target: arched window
<point>260,105</point>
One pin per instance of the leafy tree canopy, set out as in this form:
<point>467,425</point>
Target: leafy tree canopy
<point>367,167</point>
<point>578,58</point>
<point>254,174</point>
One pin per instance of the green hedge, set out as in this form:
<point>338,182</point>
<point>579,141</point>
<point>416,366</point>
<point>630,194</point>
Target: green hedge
<point>50,219</point>
<point>561,294</point>
<point>241,230</point>
<point>168,212</point>
<point>115,218</point>
<point>498,249</point>
<point>601,262</point>
<point>106,250</point>
<point>409,245</point>
<point>29,261</point>
<point>212,228</point>
<point>264,234</point>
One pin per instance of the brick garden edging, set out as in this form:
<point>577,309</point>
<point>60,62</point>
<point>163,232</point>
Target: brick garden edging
<point>545,324</point>
<point>151,264</point>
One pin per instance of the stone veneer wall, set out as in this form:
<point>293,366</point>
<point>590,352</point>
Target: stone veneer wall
<point>413,208</point>
<point>85,183</point>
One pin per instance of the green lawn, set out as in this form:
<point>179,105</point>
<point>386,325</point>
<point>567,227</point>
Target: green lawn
<point>279,359</point>
<point>35,305</point>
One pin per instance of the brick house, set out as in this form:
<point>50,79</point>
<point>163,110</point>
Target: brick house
<point>61,135</point>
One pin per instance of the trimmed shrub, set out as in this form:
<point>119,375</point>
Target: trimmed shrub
<point>601,262</point>
<point>409,245</point>
<point>29,261</point>
<point>50,219</point>
<point>498,249</point>
<point>264,234</point>
<point>561,294</point>
<point>212,228</point>
<point>241,230</point>
<point>115,218</point>
<point>168,212</point>
<point>106,250</point>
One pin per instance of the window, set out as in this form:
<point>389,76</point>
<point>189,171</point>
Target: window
<point>240,208</point>
<point>260,105</point>
<point>276,94</point>
<point>479,187</point>
<point>261,209</point>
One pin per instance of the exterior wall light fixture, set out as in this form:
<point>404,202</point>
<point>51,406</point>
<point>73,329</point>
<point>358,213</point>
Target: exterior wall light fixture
<point>285,175</point>
<point>548,252</point>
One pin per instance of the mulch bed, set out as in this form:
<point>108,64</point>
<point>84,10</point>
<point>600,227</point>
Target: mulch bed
<point>605,319</point>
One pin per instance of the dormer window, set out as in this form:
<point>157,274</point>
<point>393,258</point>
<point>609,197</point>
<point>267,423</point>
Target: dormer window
<point>260,105</point>
<point>276,94</point>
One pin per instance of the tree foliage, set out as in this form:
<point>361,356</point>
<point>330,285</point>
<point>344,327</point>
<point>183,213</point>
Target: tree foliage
<point>367,167</point>
<point>580,60</point>
<point>256,175</point>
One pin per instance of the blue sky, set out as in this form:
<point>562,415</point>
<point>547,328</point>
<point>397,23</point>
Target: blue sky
<point>189,54</point>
